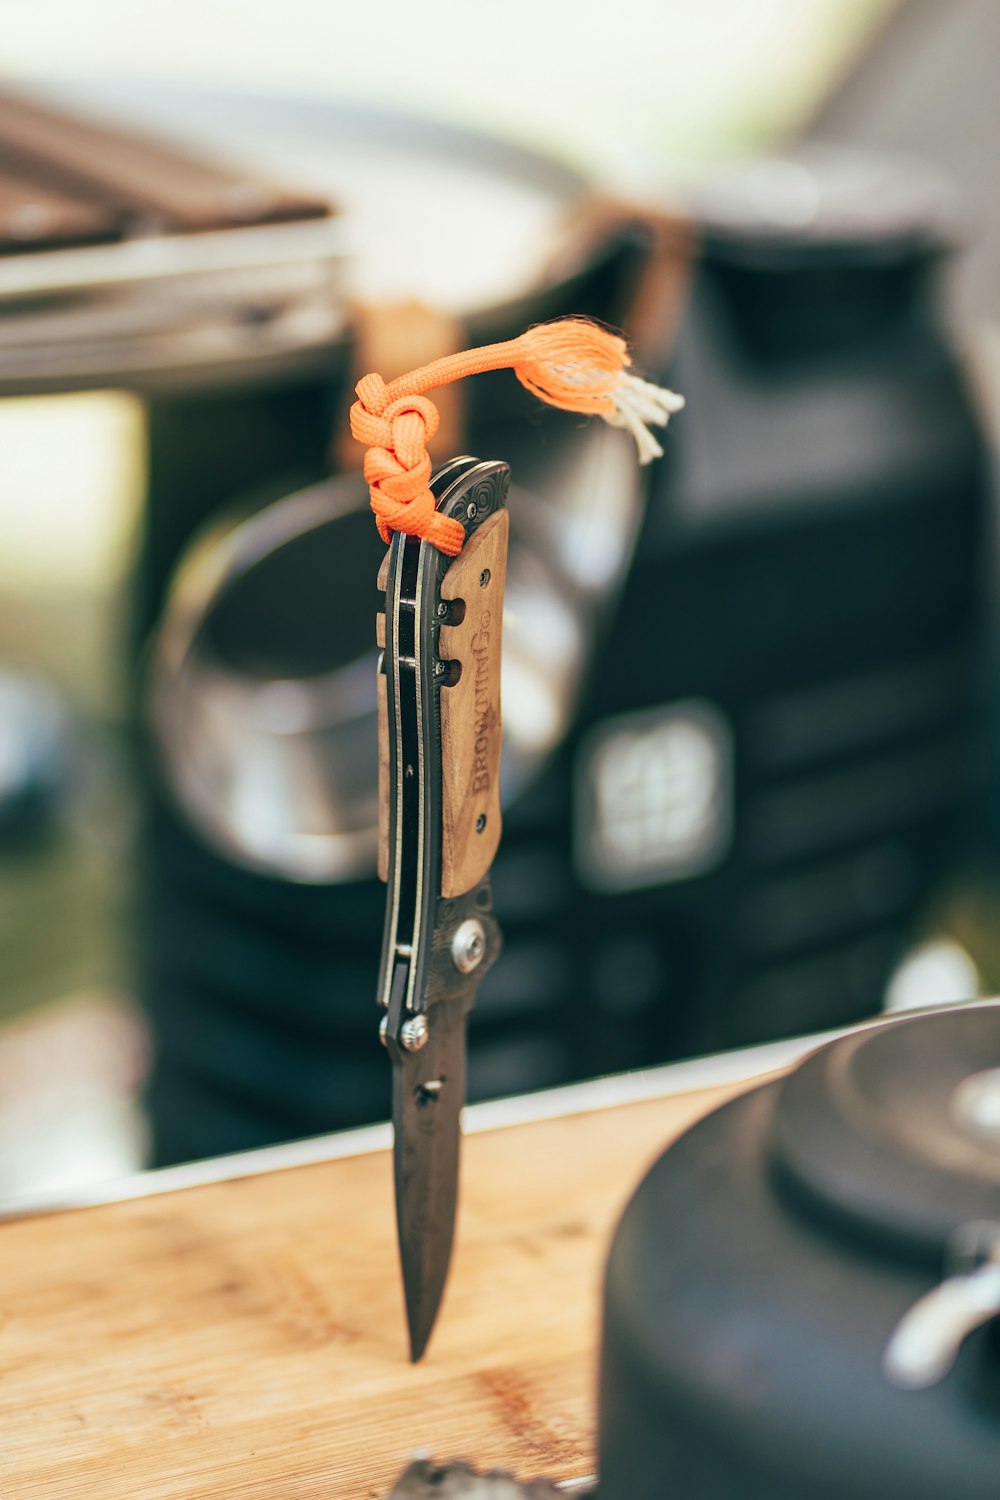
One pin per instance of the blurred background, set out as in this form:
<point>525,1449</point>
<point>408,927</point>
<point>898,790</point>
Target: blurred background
<point>751,767</point>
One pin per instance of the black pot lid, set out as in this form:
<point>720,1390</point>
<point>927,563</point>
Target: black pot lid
<point>893,1134</point>
<point>823,204</point>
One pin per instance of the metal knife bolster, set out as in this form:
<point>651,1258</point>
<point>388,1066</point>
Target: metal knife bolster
<point>439,741</point>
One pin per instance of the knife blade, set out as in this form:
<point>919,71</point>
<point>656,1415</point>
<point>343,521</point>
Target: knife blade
<point>439,762</point>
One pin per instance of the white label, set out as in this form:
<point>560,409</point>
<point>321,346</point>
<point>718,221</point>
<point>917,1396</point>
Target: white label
<point>654,797</point>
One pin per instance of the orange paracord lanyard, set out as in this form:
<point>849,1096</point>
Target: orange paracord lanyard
<point>572,364</point>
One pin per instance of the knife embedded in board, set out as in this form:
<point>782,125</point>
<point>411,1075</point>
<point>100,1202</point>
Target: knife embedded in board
<point>439,766</point>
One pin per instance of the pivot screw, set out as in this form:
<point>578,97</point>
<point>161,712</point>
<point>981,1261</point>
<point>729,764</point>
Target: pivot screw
<point>413,1034</point>
<point>442,610</point>
<point>484,578</point>
<point>472,510</point>
<point>468,946</point>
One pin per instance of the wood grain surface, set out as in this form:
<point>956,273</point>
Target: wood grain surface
<point>138,175</point>
<point>246,1339</point>
<point>470,710</point>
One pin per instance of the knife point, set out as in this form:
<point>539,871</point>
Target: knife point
<point>420,1328</point>
<point>418,1347</point>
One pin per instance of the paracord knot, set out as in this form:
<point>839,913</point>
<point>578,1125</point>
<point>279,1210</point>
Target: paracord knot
<point>398,466</point>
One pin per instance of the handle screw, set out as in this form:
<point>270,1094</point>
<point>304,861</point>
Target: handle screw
<point>468,946</point>
<point>413,1034</point>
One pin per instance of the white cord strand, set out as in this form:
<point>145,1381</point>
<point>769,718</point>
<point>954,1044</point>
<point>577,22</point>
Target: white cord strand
<point>640,404</point>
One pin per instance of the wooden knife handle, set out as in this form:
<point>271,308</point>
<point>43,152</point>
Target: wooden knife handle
<point>470,710</point>
<point>470,715</point>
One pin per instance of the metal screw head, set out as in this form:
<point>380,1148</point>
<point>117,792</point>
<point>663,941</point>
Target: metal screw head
<point>484,578</point>
<point>442,610</point>
<point>975,1104</point>
<point>480,822</point>
<point>383,1031</point>
<point>468,946</point>
<point>439,669</point>
<point>472,510</point>
<point>413,1034</point>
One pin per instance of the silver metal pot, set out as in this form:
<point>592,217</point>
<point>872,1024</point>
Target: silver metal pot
<point>262,685</point>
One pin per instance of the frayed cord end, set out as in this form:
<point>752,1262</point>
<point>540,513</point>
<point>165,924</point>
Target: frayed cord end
<point>638,405</point>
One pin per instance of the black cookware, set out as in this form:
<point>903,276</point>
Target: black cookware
<point>801,1298</point>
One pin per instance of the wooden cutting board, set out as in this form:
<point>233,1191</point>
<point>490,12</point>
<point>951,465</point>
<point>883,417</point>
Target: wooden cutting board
<point>246,1339</point>
<point>130,179</point>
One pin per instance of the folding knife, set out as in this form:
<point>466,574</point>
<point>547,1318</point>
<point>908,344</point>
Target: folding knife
<point>439,764</point>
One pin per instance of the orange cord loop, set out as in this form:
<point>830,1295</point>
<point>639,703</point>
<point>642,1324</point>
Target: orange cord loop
<point>398,466</point>
<point>572,364</point>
